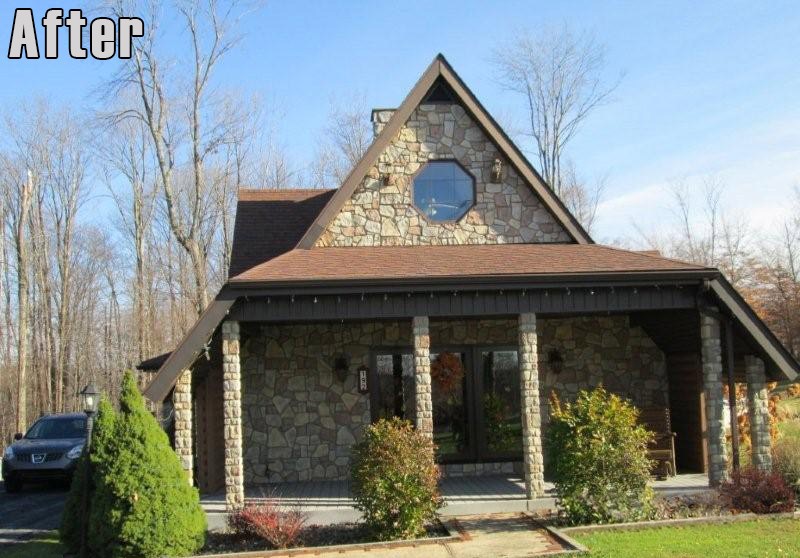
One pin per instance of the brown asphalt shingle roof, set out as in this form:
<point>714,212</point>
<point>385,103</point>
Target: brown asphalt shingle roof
<point>270,223</point>
<point>463,261</point>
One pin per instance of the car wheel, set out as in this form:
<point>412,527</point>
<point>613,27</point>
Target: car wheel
<point>13,485</point>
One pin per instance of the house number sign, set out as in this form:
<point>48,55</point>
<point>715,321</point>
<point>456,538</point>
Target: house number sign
<point>363,382</point>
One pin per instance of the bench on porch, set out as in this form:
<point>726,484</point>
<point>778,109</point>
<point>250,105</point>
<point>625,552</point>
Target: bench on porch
<point>662,448</point>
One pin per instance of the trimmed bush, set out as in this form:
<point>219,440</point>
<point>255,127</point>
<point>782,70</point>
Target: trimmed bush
<point>395,480</point>
<point>753,490</point>
<point>72,517</point>
<point>598,458</point>
<point>142,504</point>
<point>269,522</point>
<point>786,461</point>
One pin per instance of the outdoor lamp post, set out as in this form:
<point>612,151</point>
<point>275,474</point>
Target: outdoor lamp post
<point>90,398</point>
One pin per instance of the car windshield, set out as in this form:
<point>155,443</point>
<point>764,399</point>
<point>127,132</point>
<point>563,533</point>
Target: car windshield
<point>57,429</point>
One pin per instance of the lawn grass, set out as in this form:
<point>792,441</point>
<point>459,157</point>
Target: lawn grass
<point>746,539</point>
<point>45,546</point>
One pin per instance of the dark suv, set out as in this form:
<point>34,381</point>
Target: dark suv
<point>48,451</point>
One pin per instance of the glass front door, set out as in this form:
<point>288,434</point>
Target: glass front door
<point>500,418</point>
<point>392,385</point>
<point>475,393</point>
<point>451,387</point>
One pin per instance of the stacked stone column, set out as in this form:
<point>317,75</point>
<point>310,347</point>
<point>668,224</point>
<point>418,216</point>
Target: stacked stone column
<point>423,403</point>
<point>232,413</point>
<point>711,351</point>
<point>531,411</point>
<point>758,408</point>
<point>182,407</point>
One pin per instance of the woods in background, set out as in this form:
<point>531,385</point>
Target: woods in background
<point>116,224</point>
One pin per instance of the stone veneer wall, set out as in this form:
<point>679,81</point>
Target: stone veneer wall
<point>300,421</point>
<point>379,214</point>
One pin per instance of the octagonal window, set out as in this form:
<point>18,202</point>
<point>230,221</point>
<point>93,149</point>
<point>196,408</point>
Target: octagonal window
<point>444,191</point>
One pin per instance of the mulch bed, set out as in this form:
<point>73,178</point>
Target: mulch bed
<point>312,536</point>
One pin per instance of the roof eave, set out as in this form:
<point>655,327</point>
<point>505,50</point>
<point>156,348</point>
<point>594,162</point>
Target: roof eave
<point>488,281</point>
<point>784,363</point>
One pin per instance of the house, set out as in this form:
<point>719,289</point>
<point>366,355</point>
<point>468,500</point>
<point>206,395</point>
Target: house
<point>444,282</point>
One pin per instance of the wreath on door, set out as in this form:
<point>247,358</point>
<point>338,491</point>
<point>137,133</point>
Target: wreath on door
<point>447,371</point>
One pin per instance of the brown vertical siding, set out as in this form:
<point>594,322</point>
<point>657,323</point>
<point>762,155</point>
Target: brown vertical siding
<point>686,409</point>
<point>209,436</point>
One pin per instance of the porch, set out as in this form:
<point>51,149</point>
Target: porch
<point>330,501</point>
<point>281,397</point>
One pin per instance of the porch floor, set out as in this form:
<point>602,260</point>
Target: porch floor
<point>329,501</point>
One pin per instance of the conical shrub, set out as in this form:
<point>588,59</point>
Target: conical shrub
<point>143,505</point>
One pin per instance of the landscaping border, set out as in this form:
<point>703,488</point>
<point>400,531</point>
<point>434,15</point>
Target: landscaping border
<point>456,534</point>
<point>680,522</point>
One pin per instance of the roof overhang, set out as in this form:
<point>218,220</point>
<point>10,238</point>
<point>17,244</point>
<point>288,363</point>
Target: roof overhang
<point>780,363</point>
<point>190,346</point>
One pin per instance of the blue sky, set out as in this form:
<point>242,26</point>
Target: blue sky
<point>710,88</point>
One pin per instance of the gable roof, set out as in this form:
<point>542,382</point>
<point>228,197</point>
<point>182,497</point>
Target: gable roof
<point>271,222</point>
<point>440,69</point>
<point>349,265</point>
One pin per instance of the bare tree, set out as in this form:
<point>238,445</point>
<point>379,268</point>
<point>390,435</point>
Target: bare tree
<point>126,155</point>
<point>581,199</point>
<point>558,74</point>
<point>178,116</point>
<point>709,235</point>
<point>346,137</point>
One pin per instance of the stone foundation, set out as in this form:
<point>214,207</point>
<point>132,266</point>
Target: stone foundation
<point>473,469</point>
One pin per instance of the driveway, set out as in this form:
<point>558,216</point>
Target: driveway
<point>28,513</point>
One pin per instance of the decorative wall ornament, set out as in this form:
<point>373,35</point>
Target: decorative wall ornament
<point>497,171</point>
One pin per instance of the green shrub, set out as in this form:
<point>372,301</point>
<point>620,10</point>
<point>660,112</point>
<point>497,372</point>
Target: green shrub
<point>395,480</point>
<point>142,503</point>
<point>598,457</point>
<point>786,461</point>
<point>72,516</point>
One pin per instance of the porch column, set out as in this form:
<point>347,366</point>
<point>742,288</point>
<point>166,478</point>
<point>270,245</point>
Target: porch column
<point>423,404</point>
<point>758,407</point>
<point>182,407</point>
<point>529,400</point>
<point>232,413</point>
<point>711,351</point>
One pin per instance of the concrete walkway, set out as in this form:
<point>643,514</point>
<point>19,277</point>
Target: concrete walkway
<point>329,501</point>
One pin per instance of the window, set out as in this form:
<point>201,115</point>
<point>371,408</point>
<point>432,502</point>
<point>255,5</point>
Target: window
<point>444,191</point>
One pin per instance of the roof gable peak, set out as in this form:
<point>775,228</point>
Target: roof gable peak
<point>438,72</point>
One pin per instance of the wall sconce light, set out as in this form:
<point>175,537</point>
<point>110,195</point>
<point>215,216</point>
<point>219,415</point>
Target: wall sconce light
<point>389,179</point>
<point>555,361</point>
<point>497,171</point>
<point>340,367</point>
